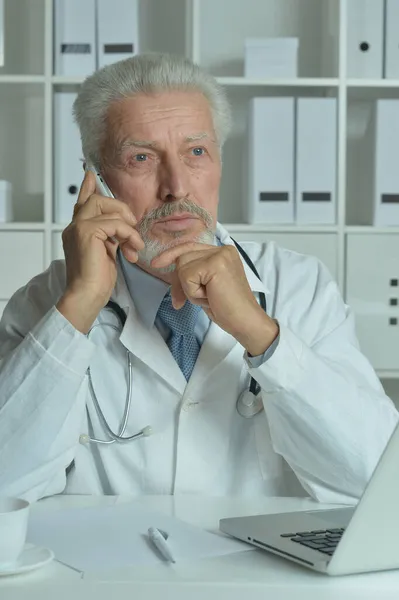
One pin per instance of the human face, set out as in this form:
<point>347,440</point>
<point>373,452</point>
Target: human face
<point>161,157</point>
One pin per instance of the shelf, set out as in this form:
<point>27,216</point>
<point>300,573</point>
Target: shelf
<point>16,226</point>
<point>297,82</point>
<point>372,83</point>
<point>330,82</point>
<point>22,78</point>
<point>62,80</point>
<point>265,228</point>
<point>367,229</point>
<point>387,374</point>
<point>234,81</point>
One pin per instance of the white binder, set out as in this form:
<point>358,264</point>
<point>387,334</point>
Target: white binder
<point>117,26</point>
<point>2,27</point>
<point>6,207</point>
<point>68,166</point>
<point>270,196</point>
<point>391,70</point>
<point>365,27</point>
<point>386,174</point>
<point>74,37</point>
<point>316,159</point>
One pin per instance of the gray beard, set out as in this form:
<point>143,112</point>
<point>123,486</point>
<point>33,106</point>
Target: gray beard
<point>154,248</point>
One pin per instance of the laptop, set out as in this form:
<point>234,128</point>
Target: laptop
<point>337,541</point>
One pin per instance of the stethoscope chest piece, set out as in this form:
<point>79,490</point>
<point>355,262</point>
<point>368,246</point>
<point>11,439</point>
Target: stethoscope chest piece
<point>249,404</point>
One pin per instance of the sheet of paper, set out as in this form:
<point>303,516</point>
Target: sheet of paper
<point>113,537</point>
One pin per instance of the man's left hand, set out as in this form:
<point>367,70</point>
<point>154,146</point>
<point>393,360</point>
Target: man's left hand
<point>214,278</point>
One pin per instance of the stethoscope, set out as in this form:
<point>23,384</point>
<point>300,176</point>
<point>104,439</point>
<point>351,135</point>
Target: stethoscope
<point>249,402</point>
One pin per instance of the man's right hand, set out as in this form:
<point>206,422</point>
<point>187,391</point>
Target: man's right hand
<point>90,253</point>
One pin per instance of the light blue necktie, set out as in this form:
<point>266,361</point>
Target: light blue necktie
<point>182,342</point>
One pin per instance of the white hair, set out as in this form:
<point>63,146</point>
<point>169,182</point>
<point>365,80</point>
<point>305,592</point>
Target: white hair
<point>145,73</point>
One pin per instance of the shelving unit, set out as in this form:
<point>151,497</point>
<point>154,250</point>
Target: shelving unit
<point>211,33</point>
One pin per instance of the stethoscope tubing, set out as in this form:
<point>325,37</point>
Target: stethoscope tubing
<point>119,437</point>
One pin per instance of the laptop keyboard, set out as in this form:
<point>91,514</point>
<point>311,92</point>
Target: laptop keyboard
<point>323,540</point>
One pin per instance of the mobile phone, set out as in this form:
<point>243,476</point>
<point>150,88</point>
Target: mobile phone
<point>102,187</point>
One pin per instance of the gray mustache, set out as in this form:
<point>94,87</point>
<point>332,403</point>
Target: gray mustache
<point>170,208</point>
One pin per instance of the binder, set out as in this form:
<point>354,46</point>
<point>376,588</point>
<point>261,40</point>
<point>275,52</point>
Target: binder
<point>365,31</point>
<point>391,62</point>
<point>75,37</point>
<point>117,27</point>
<point>316,159</point>
<point>6,208</point>
<point>68,168</point>
<point>2,27</point>
<point>386,172</point>
<point>270,168</point>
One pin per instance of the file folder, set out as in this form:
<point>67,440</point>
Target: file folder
<point>386,172</point>
<point>117,27</point>
<point>68,168</point>
<point>75,37</point>
<point>365,32</point>
<point>316,159</point>
<point>270,169</point>
<point>391,70</point>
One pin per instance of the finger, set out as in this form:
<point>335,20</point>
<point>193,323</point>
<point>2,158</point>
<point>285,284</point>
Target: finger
<point>99,219</point>
<point>133,241</point>
<point>87,188</point>
<point>173,254</point>
<point>129,253</point>
<point>97,205</point>
<point>110,228</point>
<point>112,247</point>
<point>191,285</point>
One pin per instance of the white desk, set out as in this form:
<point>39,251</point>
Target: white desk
<point>243,576</point>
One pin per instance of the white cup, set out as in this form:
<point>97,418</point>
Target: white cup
<point>14,514</point>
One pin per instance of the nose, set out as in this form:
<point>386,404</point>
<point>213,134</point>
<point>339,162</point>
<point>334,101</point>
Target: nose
<point>174,180</point>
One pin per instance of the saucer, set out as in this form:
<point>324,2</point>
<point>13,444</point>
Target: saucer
<point>32,557</point>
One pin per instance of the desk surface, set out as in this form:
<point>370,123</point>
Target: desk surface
<point>254,574</point>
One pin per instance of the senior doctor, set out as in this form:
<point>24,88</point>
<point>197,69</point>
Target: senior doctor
<point>153,126</point>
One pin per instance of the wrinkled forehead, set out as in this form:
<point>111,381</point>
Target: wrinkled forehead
<point>145,116</point>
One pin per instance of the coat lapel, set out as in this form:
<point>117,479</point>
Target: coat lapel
<point>146,344</point>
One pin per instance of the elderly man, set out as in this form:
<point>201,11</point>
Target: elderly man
<point>193,330</point>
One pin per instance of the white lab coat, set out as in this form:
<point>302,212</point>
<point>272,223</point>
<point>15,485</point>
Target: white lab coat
<point>326,416</point>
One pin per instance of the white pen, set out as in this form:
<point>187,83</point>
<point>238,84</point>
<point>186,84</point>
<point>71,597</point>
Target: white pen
<point>160,542</point>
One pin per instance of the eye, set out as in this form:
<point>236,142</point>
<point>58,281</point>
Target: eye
<point>198,151</point>
<point>140,157</point>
